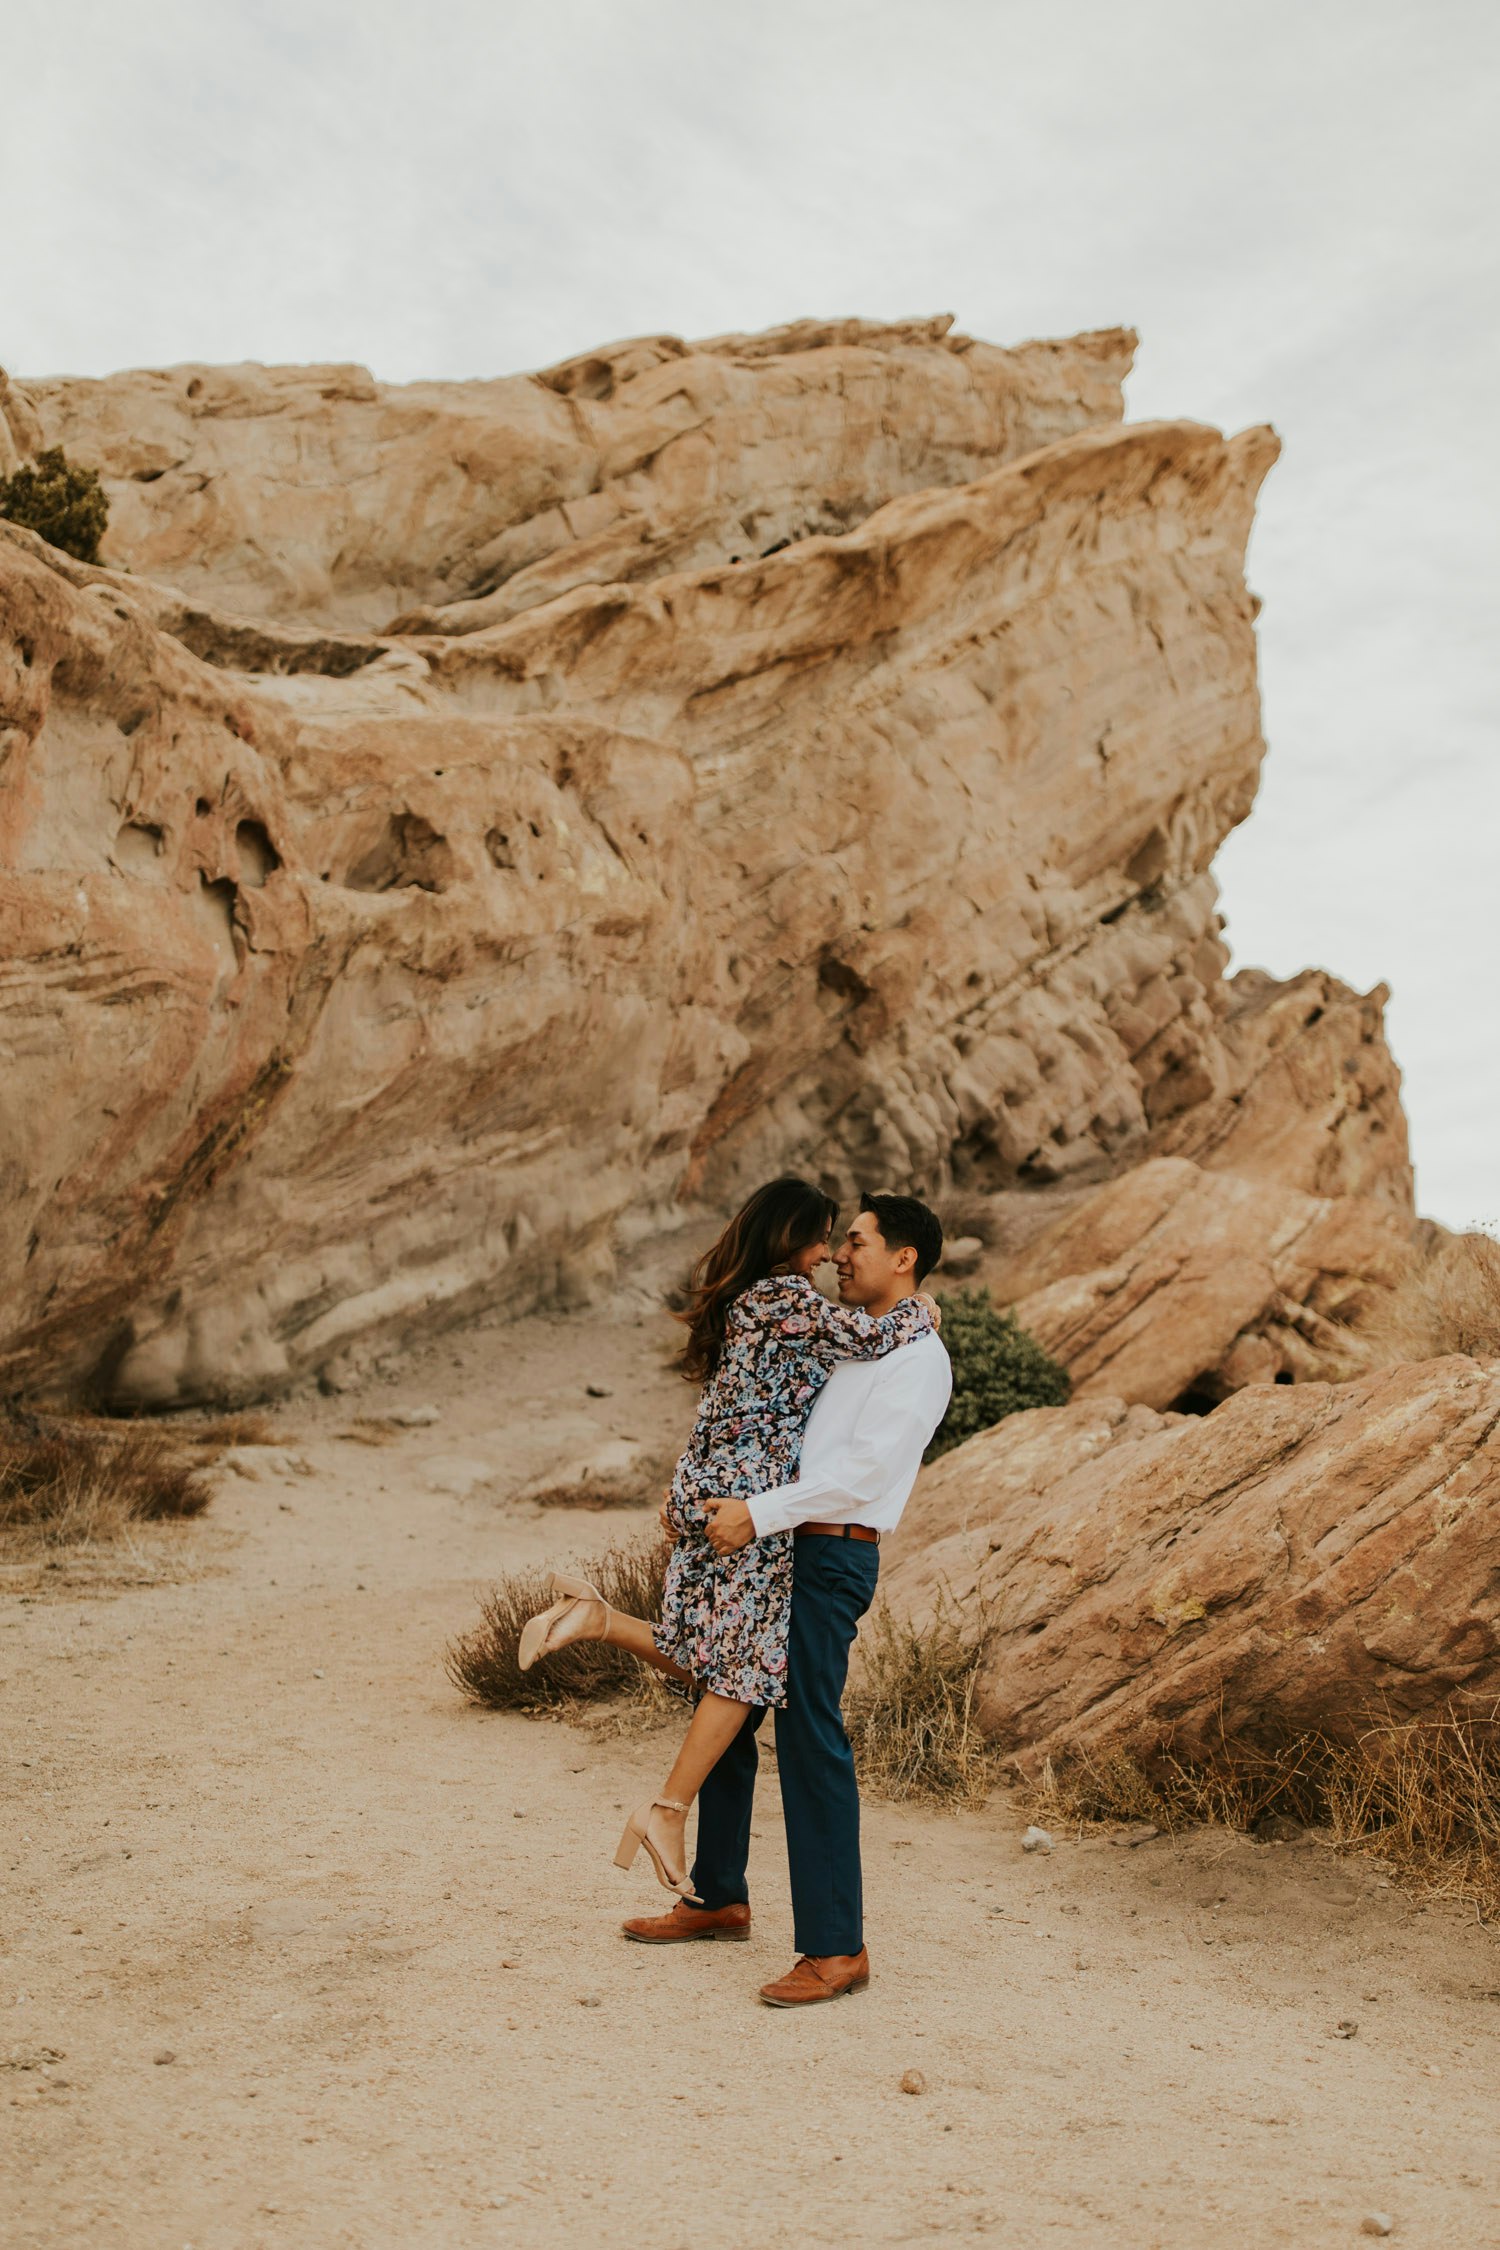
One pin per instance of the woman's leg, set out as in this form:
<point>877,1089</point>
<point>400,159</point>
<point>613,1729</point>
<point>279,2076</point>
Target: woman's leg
<point>634,1634</point>
<point>715,1723</point>
<point>585,1616</point>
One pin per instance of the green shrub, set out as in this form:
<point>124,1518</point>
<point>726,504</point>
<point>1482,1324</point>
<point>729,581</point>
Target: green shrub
<point>64,504</point>
<point>998,1369</point>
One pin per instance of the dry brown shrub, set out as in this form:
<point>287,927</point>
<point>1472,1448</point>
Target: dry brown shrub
<point>910,1711</point>
<point>83,1483</point>
<point>1450,1302</point>
<point>592,1492</point>
<point>234,1429</point>
<point>1422,1795</point>
<point>960,1215</point>
<point>482,1663</point>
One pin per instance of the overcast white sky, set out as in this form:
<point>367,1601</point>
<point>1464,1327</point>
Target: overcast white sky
<point>1295,203</point>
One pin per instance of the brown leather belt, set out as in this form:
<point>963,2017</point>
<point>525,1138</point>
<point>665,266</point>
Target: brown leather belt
<point>839,1531</point>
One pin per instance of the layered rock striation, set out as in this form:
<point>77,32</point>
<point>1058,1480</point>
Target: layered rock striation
<point>1302,1559</point>
<point>315,494</point>
<point>359,978</point>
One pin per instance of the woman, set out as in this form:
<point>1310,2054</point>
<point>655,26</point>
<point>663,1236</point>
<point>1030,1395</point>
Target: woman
<point>762,1341</point>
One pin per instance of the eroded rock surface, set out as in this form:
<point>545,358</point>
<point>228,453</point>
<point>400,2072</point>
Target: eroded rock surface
<point>316,493</point>
<point>358,979</point>
<point>1298,1559</point>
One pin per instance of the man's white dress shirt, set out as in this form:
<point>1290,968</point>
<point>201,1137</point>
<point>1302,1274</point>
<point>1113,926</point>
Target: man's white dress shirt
<point>864,1442</point>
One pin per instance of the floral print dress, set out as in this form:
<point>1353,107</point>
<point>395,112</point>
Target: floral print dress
<point>725,1618</point>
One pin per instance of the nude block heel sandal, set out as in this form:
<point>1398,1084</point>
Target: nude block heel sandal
<point>636,1835</point>
<point>536,1636</point>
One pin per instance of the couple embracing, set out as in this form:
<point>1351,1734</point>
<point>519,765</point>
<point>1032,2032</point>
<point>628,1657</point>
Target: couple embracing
<point>811,1428</point>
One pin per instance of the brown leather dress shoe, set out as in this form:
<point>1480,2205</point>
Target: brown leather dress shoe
<point>686,1921</point>
<point>819,1977</point>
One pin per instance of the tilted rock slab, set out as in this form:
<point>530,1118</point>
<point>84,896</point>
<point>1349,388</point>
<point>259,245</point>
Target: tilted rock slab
<point>317,494</point>
<point>1174,1279</point>
<point>355,981</point>
<point>1301,1558</point>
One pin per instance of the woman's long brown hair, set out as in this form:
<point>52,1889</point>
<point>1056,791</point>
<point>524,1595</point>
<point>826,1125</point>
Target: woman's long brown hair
<point>781,1218</point>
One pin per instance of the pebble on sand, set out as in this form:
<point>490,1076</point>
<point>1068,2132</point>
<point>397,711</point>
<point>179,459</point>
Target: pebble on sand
<point>912,2082</point>
<point>1036,1840</point>
<point>1346,2029</point>
<point>164,2055</point>
<point>1377,2222</point>
<point>589,2000</point>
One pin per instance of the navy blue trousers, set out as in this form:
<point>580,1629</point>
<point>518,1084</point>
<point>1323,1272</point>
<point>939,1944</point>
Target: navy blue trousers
<point>833,1584</point>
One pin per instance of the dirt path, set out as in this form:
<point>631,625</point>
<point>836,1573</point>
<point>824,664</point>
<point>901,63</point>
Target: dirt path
<point>249,1825</point>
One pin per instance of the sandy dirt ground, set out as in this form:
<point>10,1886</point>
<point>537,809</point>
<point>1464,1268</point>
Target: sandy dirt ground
<point>300,1952</point>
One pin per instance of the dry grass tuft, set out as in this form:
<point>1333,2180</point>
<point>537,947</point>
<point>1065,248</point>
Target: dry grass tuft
<point>85,1483</point>
<point>1448,1303</point>
<point>234,1429</point>
<point>910,1712</point>
<point>1423,1795</point>
<point>482,1663</point>
<point>596,1493</point>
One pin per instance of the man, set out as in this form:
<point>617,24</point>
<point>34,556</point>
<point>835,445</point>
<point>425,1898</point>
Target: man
<point>864,1444</point>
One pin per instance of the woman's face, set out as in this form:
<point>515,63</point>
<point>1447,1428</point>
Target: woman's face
<point>808,1261</point>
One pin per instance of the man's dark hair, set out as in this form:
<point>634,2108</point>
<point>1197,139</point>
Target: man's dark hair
<point>906,1224</point>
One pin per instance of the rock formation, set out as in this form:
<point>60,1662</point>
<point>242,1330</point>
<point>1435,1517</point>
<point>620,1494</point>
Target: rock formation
<point>803,749</point>
<point>317,494</point>
<point>1295,1560</point>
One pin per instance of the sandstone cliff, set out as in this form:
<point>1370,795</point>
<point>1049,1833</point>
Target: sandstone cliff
<point>808,749</point>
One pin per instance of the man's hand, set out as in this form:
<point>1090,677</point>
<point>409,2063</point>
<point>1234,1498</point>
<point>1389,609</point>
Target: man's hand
<point>730,1526</point>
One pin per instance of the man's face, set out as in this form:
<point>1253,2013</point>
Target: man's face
<point>867,1270</point>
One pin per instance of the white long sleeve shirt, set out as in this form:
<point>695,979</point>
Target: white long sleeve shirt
<point>864,1442</point>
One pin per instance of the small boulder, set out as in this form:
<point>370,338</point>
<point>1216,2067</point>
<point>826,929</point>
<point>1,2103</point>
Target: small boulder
<point>912,2082</point>
<point>1278,1828</point>
<point>1036,1840</point>
<point>961,1257</point>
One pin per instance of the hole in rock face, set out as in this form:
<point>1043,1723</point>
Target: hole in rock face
<point>1149,860</point>
<point>497,844</point>
<point>215,904</point>
<point>837,976</point>
<point>410,855</point>
<point>591,378</point>
<point>204,805</point>
<point>138,847</point>
<point>1202,1395</point>
<point>195,387</point>
<point>1283,1375</point>
<point>258,856</point>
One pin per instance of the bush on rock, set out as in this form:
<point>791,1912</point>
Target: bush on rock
<point>998,1369</point>
<point>62,503</point>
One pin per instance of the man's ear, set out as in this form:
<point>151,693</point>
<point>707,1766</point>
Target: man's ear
<point>906,1259</point>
